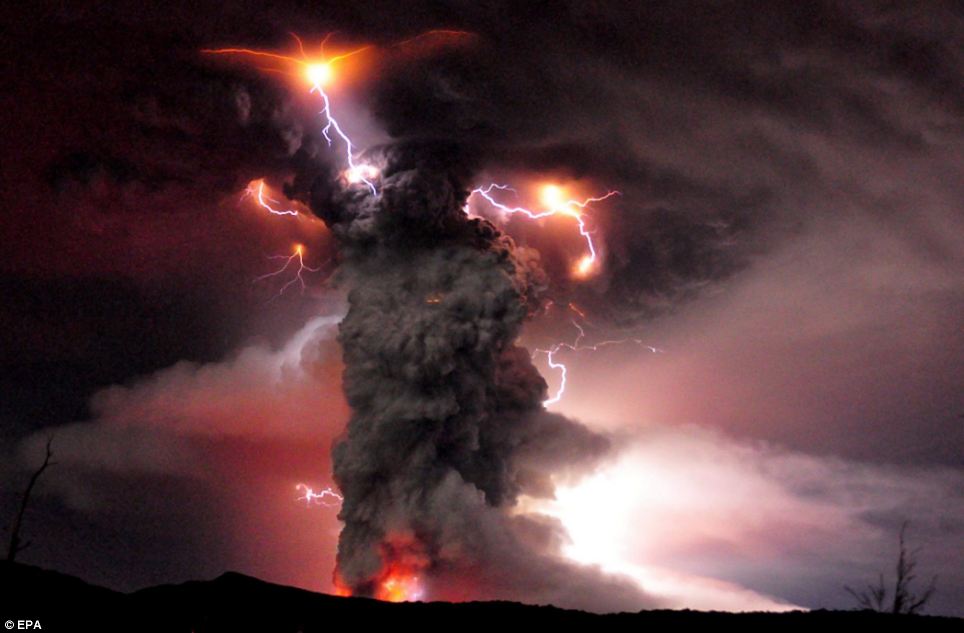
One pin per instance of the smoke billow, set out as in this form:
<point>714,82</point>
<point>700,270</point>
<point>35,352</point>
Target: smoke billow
<point>447,427</point>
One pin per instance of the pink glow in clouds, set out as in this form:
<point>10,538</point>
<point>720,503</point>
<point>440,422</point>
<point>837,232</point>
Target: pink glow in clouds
<point>735,486</point>
<point>747,438</point>
<point>697,518</point>
<point>247,429</point>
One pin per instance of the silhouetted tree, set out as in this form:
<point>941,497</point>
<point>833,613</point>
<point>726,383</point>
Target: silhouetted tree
<point>15,545</point>
<point>905,600</point>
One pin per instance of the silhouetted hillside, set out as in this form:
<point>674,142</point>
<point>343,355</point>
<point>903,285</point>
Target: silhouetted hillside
<point>234,602</point>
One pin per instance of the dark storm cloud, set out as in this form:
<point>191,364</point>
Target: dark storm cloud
<point>816,147</point>
<point>210,130</point>
<point>119,96</point>
<point>724,124</point>
<point>123,142</point>
<point>55,353</point>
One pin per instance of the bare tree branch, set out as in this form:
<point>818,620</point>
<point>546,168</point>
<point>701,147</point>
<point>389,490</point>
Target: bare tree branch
<point>873,598</point>
<point>905,600</point>
<point>15,545</point>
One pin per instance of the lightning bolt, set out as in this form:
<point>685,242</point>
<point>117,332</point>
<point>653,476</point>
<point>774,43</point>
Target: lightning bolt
<point>256,190</point>
<point>577,346</point>
<point>401,583</point>
<point>556,204</point>
<point>325,497</point>
<point>297,255</point>
<point>317,72</point>
<point>356,172</point>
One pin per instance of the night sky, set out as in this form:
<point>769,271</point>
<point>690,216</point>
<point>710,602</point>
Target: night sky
<point>788,236</point>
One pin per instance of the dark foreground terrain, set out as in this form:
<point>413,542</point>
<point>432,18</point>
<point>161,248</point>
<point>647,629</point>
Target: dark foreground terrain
<point>234,602</point>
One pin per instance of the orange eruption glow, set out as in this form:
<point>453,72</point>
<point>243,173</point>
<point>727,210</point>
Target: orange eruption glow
<point>404,558</point>
<point>399,579</point>
<point>398,585</point>
<point>340,588</point>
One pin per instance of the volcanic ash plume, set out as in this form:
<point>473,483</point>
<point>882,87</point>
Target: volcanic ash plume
<point>447,426</point>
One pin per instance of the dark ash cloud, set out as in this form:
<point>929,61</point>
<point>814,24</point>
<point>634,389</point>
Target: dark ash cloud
<point>447,425</point>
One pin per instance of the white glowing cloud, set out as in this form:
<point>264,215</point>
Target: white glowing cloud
<point>710,523</point>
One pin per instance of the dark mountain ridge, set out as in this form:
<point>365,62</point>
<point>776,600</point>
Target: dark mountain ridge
<point>235,602</point>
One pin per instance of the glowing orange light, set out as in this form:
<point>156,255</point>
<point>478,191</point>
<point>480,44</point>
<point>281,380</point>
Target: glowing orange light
<point>256,190</point>
<point>398,586</point>
<point>340,587</point>
<point>552,197</point>
<point>584,266</point>
<point>317,70</point>
<point>555,201</point>
<point>319,74</point>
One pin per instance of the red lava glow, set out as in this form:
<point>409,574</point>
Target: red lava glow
<point>398,584</point>
<point>340,588</point>
<point>405,560</point>
<point>399,579</point>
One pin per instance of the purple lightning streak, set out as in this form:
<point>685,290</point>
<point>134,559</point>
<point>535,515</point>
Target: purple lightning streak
<point>576,346</point>
<point>355,173</point>
<point>556,204</point>
<point>256,190</point>
<point>298,255</point>
<point>325,497</point>
<point>317,72</point>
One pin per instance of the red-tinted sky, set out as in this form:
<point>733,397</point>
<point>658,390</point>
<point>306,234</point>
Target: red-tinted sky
<point>788,235</point>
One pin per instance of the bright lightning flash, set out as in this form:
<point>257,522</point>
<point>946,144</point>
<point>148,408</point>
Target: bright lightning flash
<point>325,497</point>
<point>360,173</point>
<point>256,190</point>
<point>554,201</point>
<point>319,72</point>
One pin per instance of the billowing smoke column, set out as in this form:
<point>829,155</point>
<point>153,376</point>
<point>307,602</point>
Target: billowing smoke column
<point>447,425</point>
